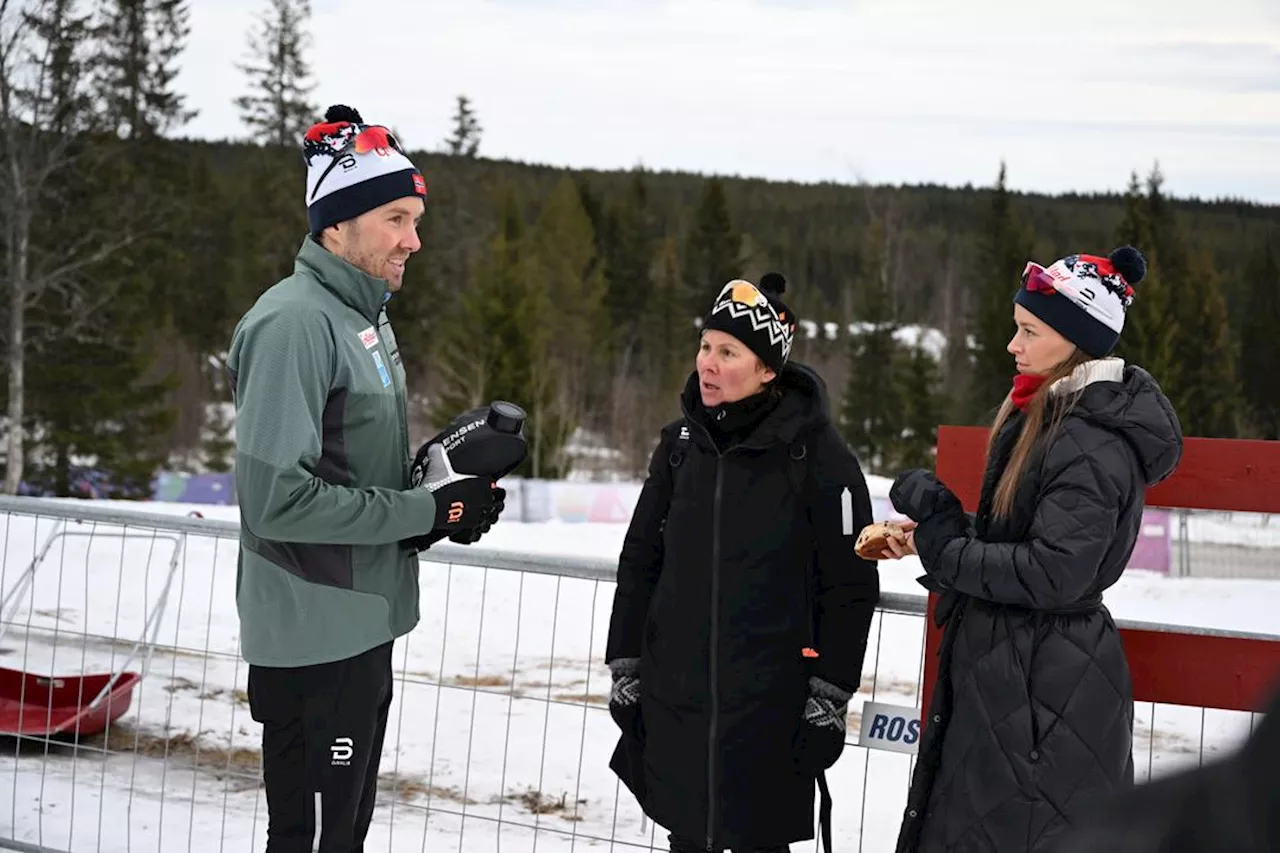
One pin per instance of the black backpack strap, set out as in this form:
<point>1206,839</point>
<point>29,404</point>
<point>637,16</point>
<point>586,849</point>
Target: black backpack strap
<point>824,812</point>
<point>680,444</point>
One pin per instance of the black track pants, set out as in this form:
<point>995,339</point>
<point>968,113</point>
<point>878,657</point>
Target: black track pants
<point>322,731</point>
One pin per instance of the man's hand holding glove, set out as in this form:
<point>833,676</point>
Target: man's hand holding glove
<point>822,731</point>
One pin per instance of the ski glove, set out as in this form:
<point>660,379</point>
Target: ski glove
<point>624,697</point>
<point>463,501</point>
<point>822,729</point>
<point>468,536</point>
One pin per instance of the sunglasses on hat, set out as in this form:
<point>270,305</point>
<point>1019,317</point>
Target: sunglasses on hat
<point>1037,279</point>
<point>373,137</point>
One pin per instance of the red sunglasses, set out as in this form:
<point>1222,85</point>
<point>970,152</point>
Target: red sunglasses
<point>1035,279</point>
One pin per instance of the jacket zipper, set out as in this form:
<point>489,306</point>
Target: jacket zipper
<point>714,668</point>
<point>401,404</point>
<point>715,653</point>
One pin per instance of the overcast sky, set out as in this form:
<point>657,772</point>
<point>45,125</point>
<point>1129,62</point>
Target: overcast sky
<point>1073,95</point>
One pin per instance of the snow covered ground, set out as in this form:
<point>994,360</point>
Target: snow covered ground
<point>499,735</point>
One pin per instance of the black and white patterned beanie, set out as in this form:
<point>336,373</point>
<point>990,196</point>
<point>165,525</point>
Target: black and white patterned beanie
<point>757,316</point>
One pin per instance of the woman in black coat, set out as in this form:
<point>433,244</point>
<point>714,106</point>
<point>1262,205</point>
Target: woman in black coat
<point>1031,721</point>
<point>741,614</point>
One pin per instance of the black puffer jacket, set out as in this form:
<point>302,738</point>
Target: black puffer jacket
<point>1032,716</point>
<point>722,583</point>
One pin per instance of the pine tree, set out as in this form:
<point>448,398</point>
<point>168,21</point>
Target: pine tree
<point>484,344</point>
<point>567,287</point>
<point>874,414</point>
<point>137,63</point>
<point>629,250</point>
<point>668,336</point>
<point>712,249</point>
<point>1206,396</point>
<point>1260,342</point>
<point>99,400</point>
<point>465,139</point>
<point>919,377</point>
<point>1005,246</point>
<point>46,105</point>
<point>1147,338</point>
<point>278,109</point>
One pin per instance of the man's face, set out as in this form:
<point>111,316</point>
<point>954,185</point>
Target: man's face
<point>379,241</point>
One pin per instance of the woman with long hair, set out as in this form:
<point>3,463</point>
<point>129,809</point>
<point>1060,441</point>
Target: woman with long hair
<point>1031,720</point>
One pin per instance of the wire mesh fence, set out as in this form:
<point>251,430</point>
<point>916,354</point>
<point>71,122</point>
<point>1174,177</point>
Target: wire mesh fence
<point>127,727</point>
<point>1224,544</point>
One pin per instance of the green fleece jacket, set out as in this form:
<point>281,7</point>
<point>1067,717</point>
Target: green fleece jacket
<point>322,469</point>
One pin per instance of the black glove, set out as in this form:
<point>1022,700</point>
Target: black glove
<point>472,536</point>
<point>464,502</point>
<point>918,494</point>
<point>820,739</point>
<point>469,536</point>
<point>624,697</point>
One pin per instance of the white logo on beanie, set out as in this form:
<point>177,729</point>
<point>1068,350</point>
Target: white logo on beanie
<point>353,167</point>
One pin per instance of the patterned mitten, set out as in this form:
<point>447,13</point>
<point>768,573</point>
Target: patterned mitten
<point>821,737</point>
<point>624,696</point>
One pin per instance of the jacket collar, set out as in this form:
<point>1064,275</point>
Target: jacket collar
<point>353,286</point>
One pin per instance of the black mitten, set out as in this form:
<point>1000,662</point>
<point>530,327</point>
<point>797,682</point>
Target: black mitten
<point>918,494</point>
<point>820,739</point>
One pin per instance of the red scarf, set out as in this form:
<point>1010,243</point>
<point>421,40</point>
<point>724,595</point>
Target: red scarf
<point>1025,386</point>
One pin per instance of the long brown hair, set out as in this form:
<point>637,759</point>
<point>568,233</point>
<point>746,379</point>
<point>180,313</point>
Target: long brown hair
<point>1033,426</point>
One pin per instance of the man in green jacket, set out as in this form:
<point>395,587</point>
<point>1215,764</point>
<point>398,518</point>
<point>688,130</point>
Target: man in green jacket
<point>324,584</point>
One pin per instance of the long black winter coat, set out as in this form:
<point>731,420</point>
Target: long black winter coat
<point>1032,716</point>
<point>725,577</point>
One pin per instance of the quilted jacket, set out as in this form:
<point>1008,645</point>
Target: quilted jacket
<point>1231,803</point>
<point>1031,720</point>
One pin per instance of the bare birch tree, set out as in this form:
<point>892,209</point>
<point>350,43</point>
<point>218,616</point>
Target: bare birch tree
<point>45,109</point>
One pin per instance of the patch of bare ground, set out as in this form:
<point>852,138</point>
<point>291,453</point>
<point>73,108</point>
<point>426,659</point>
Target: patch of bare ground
<point>539,803</point>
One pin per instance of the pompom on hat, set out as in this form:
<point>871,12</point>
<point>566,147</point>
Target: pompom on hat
<point>1084,297</point>
<point>757,316</point>
<point>353,167</point>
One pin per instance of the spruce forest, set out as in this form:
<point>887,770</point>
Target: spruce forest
<point>128,252</point>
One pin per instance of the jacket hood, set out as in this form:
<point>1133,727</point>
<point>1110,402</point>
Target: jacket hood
<point>805,405</point>
<point>1131,405</point>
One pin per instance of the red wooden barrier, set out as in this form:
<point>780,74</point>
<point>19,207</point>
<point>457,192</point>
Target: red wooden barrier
<point>1167,667</point>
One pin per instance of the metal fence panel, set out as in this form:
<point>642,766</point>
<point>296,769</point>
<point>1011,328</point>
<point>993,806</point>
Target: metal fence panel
<point>499,735</point>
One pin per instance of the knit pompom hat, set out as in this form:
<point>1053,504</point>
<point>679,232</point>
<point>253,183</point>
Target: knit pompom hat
<point>353,167</point>
<point>1084,297</point>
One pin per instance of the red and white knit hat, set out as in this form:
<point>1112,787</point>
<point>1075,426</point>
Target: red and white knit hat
<point>1084,297</point>
<point>353,167</point>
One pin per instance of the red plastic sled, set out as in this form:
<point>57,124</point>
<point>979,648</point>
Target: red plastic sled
<point>40,706</point>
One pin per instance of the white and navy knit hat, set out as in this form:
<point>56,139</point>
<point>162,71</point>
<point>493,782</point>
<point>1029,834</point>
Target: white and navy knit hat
<point>353,167</point>
<point>1084,297</point>
<point>757,316</point>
